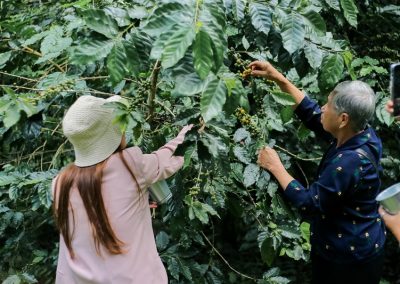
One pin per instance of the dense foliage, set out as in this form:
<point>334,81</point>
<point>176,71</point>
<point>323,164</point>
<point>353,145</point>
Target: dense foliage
<point>180,62</point>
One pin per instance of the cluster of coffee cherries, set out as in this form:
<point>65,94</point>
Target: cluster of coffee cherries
<point>246,121</point>
<point>64,86</point>
<point>241,64</point>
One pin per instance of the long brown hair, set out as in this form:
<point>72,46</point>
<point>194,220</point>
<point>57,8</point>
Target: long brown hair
<point>88,181</point>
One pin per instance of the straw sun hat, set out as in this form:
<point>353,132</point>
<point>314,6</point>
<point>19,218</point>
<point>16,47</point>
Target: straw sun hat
<point>88,126</point>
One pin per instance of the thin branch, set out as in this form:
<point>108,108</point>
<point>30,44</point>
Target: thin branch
<point>19,77</point>
<point>226,262</point>
<point>304,175</point>
<point>37,53</point>
<point>164,106</point>
<point>72,91</point>
<point>295,156</point>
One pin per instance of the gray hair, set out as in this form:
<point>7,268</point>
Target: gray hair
<point>357,99</point>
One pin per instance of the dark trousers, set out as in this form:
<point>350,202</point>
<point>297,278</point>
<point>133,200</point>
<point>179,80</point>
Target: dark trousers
<point>364,272</point>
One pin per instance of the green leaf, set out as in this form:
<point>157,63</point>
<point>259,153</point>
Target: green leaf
<point>116,61</point>
<point>293,32</point>
<point>214,144</point>
<point>90,50</point>
<point>286,114</point>
<point>331,70</point>
<point>53,44</point>
<point>245,43</point>
<point>175,48</point>
<point>313,54</point>
<point>212,99</point>
<point>35,38</point>
<point>4,57</point>
<point>315,21</point>
<point>241,134</point>
<point>100,22</point>
<point>334,4</point>
<point>282,98</point>
<point>119,15</point>
<point>132,59</point>
<point>350,11</point>
<point>241,154</point>
<point>218,39</point>
<point>162,240</point>
<point>202,54</point>
<point>238,8</point>
<point>260,17</point>
<point>267,251</point>
<point>200,213</point>
<point>26,106</point>
<point>251,174</point>
<point>167,15</point>
<point>209,209</point>
<point>188,156</point>
<point>11,115</point>
<point>7,179</point>
<point>13,279</point>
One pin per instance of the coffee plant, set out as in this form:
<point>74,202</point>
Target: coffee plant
<point>178,62</point>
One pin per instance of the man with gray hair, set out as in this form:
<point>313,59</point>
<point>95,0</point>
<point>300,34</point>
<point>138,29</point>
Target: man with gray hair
<point>347,233</point>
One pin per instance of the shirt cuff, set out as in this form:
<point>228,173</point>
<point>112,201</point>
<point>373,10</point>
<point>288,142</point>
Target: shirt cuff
<point>295,193</point>
<point>304,105</point>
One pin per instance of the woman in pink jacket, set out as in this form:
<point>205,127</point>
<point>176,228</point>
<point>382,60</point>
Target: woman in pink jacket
<point>101,201</point>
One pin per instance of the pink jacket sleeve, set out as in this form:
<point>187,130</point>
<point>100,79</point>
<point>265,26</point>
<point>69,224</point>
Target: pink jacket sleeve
<point>159,165</point>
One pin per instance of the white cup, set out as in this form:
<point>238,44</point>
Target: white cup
<point>390,199</point>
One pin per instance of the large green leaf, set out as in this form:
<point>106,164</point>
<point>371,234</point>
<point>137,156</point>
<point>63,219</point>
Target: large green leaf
<point>218,38</point>
<point>216,10</point>
<point>53,44</point>
<point>167,15</point>
<point>350,11</point>
<point>315,21</point>
<point>260,17</point>
<point>238,9</point>
<point>11,115</point>
<point>267,251</point>
<point>90,50</point>
<point>116,61</point>
<point>177,45</point>
<point>331,70</point>
<point>293,32</point>
<point>203,54</point>
<point>313,54</point>
<point>100,22</point>
<point>334,4</point>
<point>251,174</point>
<point>119,15</point>
<point>133,58</point>
<point>187,82</point>
<point>282,98</point>
<point>214,144</point>
<point>212,99</point>
<point>4,57</point>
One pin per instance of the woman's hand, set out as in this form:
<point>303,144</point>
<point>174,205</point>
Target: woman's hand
<point>266,70</point>
<point>268,159</point>
<point>391,221</point>
<point>389,106</point>
<point>185,129</point>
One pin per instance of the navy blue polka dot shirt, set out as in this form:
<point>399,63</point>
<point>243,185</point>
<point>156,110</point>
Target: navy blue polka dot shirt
<point>345,223</point>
